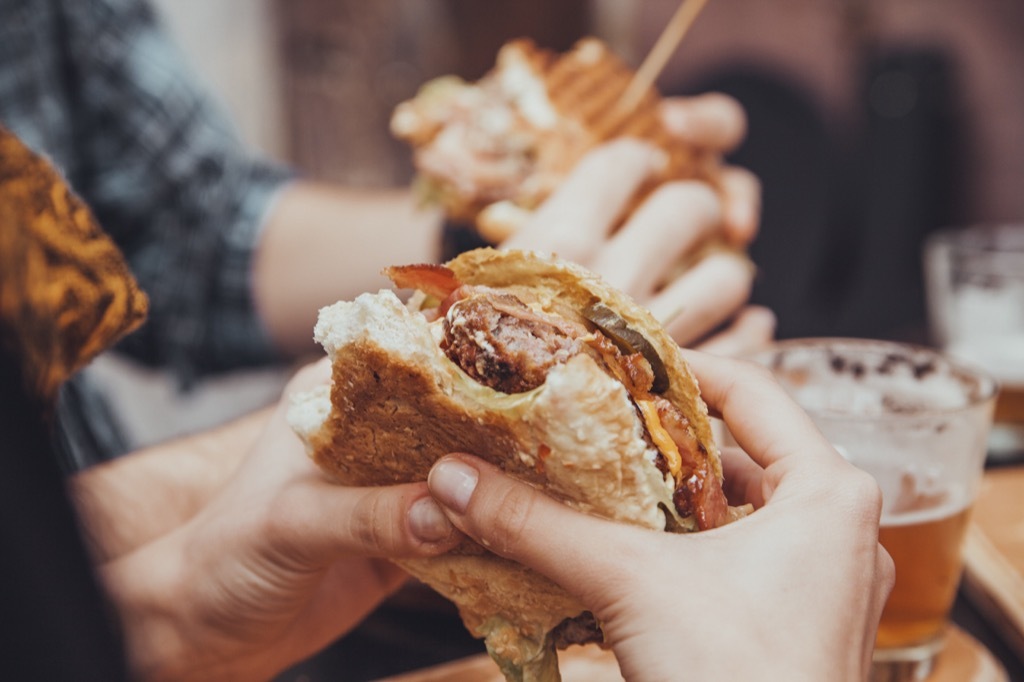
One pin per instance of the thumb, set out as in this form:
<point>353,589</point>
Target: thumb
<point>517,522</point>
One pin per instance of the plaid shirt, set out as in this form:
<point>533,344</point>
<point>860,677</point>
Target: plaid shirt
<point>98,87</point>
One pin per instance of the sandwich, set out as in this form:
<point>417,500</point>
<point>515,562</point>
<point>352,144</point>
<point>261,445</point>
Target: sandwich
<point>489,152</point>
<point>539,367</point>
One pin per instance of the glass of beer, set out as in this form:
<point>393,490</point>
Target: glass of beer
<point>918,421</point>
<point>974,281</point>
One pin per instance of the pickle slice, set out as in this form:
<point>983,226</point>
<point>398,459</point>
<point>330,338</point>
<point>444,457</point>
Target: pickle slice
<point>628,340</point>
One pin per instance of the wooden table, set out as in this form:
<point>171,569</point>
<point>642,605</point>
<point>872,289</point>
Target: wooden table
<point>966,660</point>
<point>994,555</point>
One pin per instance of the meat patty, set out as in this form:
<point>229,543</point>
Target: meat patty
<point>504,344</point>
<point>499,341</point>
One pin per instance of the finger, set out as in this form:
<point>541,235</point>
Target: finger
<point>885,574</point>
<point>760,415</point>
<point>574,221</point>
<point>751,330</point>
<point>744,478</point>
<point>669,224</point>
<point>324,521</point>
<point>703,297</point>
<point>520,523</point>
<point>712,121</point>
<point>884,579</point>
<point>741,204</point>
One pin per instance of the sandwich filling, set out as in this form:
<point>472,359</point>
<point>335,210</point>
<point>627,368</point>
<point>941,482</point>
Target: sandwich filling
<point>500,138</point>
<point>503,342</point>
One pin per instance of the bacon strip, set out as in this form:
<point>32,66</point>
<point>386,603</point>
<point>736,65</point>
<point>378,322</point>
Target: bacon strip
<point>698,490</point>
<point>433,280</point>
<point>521,345</point>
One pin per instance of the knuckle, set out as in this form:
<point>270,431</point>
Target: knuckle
<point>512,512</point>
<point>760,374</point>
<point>369,525</point>
<point>734,277</point>
<point>278,523</point>
<point>865,490</point>
<point>628,156</point>
<point>280,514</point>
<point>859,495</point>
<point>741,187</point>
<point>729,112</point>
<point>737,176</point>
<point>696,198</point>
<point>886,569</point>
<point>625,145</point>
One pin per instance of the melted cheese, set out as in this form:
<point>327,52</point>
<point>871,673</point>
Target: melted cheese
<point>662,440</point>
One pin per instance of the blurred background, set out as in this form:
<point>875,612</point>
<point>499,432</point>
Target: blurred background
<point>872,122</point>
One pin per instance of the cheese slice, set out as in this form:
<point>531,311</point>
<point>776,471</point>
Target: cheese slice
<point>662,440</point>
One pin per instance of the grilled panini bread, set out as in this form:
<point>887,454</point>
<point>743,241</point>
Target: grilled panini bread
<point>491,151</point>
<point>539,367</point>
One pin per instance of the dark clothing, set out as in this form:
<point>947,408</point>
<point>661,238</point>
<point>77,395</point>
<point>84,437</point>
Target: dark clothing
<point>55,624</point>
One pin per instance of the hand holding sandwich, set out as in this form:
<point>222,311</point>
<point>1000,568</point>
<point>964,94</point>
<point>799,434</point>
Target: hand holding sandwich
<point>580,222</point>
<point>517,158</point>
<point>276,566</point>
<point>794,591</point>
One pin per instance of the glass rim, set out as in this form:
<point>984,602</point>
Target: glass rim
<point>982,238</point>
<point>986,386</point>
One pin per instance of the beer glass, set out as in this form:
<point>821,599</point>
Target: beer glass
<point>974,281</point>
<point>918,422</point>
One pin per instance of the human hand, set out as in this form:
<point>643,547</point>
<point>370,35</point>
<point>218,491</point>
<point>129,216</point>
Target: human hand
<point>717,123</point>
<point>275,567</point>
<point>793,591</point>
<point>671,225</point>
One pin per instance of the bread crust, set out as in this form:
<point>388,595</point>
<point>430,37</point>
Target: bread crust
<point>569,287</point>
<point>569,101</point>
<point>397,404</point>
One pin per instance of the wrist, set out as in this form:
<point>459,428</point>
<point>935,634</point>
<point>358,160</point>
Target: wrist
<point>146,589</point>
<point>167,595</point>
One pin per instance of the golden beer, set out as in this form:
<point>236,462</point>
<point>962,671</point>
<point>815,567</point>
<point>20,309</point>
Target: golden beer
<point>919,423</point>
<point>1010,405</point>
<point>925,546</point>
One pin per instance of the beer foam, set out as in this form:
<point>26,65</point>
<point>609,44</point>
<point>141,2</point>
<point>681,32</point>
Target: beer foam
<point>1002,355</point>
<point>871,379</point>
<point>872,394</point>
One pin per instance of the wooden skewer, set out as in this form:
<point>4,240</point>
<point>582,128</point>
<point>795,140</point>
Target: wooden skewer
<point>659,55</point>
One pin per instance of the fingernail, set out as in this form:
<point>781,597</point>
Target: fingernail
<point>453,483</point>
<point>427,521</point>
